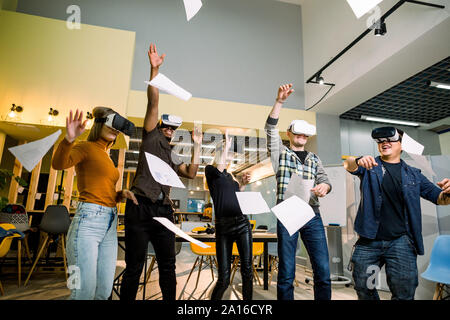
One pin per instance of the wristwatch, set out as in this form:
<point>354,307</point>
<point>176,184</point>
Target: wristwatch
<point>356,160</point>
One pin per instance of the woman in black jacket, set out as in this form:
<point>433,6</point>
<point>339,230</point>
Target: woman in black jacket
<point>231,225</point>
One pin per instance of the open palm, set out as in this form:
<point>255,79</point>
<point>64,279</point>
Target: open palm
<point>155,60</point>
<point>284,92</point>
<point>75,125</point>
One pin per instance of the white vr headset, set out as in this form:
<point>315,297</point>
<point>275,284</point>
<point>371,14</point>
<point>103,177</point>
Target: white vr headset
<point>302,127</point>
<point>168,120</point>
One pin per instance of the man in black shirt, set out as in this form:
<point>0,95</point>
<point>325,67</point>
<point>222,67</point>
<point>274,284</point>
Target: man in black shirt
<point>392,219</point>
<point>153,198</point>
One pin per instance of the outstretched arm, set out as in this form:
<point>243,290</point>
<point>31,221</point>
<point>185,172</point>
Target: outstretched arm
<point>274,142</point>
<point>190,171</point>
<point>151,115</point>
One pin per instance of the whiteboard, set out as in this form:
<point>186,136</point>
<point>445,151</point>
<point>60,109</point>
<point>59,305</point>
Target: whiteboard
<point>333,207</point>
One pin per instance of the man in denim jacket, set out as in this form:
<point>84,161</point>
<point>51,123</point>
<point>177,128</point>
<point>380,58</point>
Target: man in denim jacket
<point>389,222</point>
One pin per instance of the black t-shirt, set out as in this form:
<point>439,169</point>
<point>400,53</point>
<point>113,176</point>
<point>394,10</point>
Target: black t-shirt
<point>302,155</point>
<point>392,219</point>
<point>223,188</point>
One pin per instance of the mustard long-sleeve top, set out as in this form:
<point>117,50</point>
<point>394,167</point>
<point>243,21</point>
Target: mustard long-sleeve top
<point>96,174</point>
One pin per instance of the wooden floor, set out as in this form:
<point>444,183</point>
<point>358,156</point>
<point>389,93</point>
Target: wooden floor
<point>52,286</point>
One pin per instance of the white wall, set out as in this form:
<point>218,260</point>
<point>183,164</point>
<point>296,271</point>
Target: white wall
<point>444,139</point>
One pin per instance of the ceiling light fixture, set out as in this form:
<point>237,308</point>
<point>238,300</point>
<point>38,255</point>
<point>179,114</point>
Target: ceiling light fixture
<point>393,121</point>
<point>52,113</point>
<point>440,85</point>
<point>319,79</point>
<point>380,29</point>
<point>14,109</point>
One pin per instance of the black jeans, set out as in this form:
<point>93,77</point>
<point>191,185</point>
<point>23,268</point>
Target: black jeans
<point>140,228</point>
<point>229,230</point>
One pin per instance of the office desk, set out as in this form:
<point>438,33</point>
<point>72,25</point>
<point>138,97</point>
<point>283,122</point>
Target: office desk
<point>257,237</point>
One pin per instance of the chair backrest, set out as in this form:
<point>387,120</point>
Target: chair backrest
<point>151,249</point>
<point>5,243</point>
<point>15,214</point>
<point>56,219</point>
<point>440,254</point>
<point>257,250</point>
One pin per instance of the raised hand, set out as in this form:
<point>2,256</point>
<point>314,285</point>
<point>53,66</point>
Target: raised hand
<point>155,60</point>
<point>197,136</point>
<point>284,92</point>
<point>75,125</point>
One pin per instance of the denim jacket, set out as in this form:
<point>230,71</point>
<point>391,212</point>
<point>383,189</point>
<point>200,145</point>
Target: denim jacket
<point>414,186</point>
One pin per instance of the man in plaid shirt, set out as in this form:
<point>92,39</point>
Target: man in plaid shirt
<point>286,162</point>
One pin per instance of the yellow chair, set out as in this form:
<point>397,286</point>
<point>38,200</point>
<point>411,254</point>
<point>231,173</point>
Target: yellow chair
<point>258,250</point>
<point>205,255</point>
<point>5,245</point>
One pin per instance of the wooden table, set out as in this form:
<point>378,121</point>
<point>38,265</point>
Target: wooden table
<point>263,237</point>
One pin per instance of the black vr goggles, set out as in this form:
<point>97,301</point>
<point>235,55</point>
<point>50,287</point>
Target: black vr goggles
<point>117,122</point>
<point>389,134</point>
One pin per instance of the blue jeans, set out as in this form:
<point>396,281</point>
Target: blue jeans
<point>92,252</point>
<point>400,258</point>
<point>313,237</point>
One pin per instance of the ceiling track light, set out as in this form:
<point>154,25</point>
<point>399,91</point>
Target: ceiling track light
<point>382,30</point>
<point>13,110</point>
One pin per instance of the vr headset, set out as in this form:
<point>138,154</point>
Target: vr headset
<point>117,122</point>
<point>302,127</point>
<point>170,121</point>
<point>389,134</point>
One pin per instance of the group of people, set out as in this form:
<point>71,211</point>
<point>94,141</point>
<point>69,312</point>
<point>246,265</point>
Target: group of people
<point>388,220</point>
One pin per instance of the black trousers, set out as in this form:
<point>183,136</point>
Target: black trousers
<point>229,230</point>
<point>140,228</point>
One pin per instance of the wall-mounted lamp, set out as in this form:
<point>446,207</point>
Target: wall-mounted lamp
<point>52,113</point>
<point>14,109</point>
<point>89,117</point>
<point>319,79</point>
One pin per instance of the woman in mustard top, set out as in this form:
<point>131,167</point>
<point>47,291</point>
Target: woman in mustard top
<point>92,236</point>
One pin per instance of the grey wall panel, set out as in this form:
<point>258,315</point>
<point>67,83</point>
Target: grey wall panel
<point>233,50</point>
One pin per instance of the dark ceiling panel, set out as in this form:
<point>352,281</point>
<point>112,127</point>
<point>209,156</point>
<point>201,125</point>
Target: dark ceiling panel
<point>410,100</point>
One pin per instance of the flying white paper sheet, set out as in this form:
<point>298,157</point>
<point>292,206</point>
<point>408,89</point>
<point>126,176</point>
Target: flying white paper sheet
<point>361,7</point>
<point>192,7</point>
<point>411,146</point>
<point>162,172</point>
<point>30,154</point>
<point>165,84</point>
<point>299,187</point>
<point>422,163</point>
<point>252,203</point>
<point>169,225</point>
<point>293,213</point>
